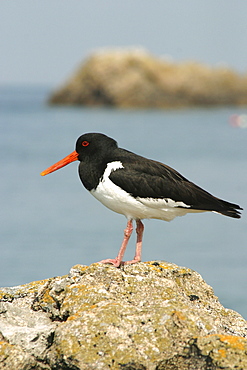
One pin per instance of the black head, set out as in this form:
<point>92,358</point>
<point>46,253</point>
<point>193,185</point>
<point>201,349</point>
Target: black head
<point>91,148</point>
<point>91,144</point>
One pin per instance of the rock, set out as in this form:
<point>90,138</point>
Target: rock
<point>135,78</point>
<point>152,315</point>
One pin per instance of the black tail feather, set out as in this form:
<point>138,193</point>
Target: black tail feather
<point>222,207</point>
<point>230,210</point>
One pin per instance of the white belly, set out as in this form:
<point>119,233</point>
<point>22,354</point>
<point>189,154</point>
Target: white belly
<point>118,200</point>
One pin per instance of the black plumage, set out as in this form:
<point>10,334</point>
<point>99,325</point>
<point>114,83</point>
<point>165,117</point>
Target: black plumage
<point>144,178</point>
<point>137,187</point>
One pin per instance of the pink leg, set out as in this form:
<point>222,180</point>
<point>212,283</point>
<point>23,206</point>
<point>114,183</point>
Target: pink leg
<point>118,260</point>
<point>139,232</point>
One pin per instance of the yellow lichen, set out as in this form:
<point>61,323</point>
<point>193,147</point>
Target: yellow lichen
<point>234,342</point>
<point>222,352</point>
<point>4,347</point>
<point>178,316</point>
<point>158,267</point>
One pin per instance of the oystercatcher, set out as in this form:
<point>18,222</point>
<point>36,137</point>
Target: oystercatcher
<point>137,187</point>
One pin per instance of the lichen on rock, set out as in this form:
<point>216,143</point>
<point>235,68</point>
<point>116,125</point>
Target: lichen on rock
<point>152,315</point>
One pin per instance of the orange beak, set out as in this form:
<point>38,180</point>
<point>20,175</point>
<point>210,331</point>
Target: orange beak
<point>70,158</point>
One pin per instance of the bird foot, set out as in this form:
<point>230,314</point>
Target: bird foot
<point>115,262</point>
<point>135,260</point>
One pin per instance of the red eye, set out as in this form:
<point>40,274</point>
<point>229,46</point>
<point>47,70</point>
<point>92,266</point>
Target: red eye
<point>85,143</point>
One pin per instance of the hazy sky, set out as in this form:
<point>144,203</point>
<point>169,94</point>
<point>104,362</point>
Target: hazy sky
<point>42,41</point>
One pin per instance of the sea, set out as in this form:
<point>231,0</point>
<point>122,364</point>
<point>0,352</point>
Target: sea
<point>49,224</point>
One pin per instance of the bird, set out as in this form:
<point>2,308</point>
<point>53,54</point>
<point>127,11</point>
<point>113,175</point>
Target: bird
<point>137,187</point>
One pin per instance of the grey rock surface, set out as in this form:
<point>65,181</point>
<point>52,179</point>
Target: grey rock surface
<point>152,315</point>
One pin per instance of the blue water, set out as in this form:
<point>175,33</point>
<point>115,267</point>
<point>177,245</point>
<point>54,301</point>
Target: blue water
<point>49,224</point>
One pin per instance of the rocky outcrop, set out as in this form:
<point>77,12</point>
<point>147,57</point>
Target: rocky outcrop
<point>134,78</point>
<point>153,315</point>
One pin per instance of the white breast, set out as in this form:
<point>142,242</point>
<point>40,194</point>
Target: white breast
<point>118,200</point>
<point>115,198</point>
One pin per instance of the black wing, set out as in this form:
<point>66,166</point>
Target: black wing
<point>146,178</point>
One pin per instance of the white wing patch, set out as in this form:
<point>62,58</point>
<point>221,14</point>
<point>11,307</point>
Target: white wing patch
<point>162,203</point>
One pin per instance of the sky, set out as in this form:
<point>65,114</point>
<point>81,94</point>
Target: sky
<point>43,42</point>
